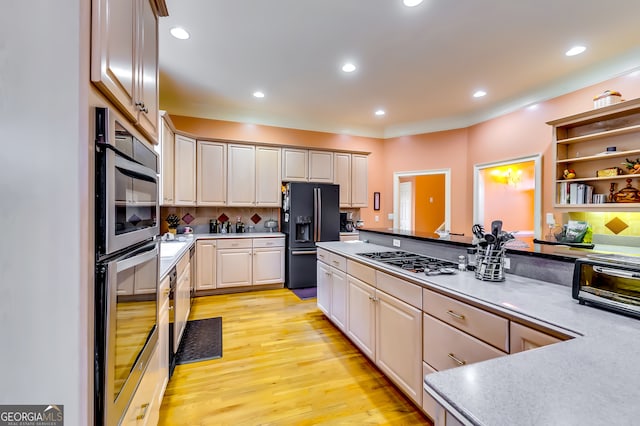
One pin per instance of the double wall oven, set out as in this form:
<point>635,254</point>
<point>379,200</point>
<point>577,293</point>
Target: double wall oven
<point>127,264</point>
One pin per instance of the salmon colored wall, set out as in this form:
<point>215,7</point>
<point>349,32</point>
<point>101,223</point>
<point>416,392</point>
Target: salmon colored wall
<point>429,215</point>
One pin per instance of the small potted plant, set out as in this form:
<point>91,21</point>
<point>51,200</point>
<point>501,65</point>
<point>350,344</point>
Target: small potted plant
<point>173,221</point>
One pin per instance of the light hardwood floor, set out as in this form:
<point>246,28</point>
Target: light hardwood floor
<point>283,363</point>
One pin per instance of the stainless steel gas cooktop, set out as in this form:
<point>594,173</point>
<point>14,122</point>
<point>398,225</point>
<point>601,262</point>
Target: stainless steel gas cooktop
<point>412,262</point>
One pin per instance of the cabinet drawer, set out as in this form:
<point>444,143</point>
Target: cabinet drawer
<point>488,327</point>
<point>268,242</point>
<point>403,290</point>
<point>524,338</point>
<point>323,255</point>
<point>338,262</point>
<point>233,243</point>
<point>446,347</point>
<point>362,272</point>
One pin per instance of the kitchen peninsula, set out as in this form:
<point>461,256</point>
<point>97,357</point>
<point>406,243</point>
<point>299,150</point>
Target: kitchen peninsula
<point>583,375</point>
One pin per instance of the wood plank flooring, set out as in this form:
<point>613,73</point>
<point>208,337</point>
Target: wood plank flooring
<point>283,363</point>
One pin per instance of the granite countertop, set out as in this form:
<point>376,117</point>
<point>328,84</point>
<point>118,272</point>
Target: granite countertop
<point>166,263</point>
<point>588,380</point>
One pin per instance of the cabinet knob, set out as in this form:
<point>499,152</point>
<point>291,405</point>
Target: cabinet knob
<point>142,415</point>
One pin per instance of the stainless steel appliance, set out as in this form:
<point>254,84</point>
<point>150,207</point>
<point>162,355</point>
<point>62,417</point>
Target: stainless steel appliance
<point>413,262</point>
<point>127,266</point>
<point>310,213</point>
<point>608,281</point>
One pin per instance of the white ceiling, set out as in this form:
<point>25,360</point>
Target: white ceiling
<point>419,64</point>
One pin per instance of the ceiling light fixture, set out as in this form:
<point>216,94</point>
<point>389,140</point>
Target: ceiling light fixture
<point>380,112</point>
<point>180,33</point>
<point>258,94</point>
<point>411,3</point>
<point>348,67</point>
<point>479,94</point>
<point>575,50</point>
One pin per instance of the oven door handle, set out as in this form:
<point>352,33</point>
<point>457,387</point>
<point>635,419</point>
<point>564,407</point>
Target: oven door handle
<point>617,272</point>
<point>138,257</point>
<point>133,167</point>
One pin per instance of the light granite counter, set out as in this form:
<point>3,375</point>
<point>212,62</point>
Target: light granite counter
<point>166,263</point>
<point>591,379</point>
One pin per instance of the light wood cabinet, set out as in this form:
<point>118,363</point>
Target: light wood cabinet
<point>211,182</point>
<point>323,283</point>
<point>361,316</point>
<point>321,166</point>
<point>241,186</point>
<point>268,176</point>
<point>163,338</point>
<point>234,263</point>
<point>332,287</point>
<point>359,181</point>
<point>339,298</point>
<point>185,171</point>
<point>268,261</point>
<point>166,152</point>
<point>182,298</point>
<point>524,338</point>
<point>144,408</point>
<point>581,143</point>
<point>295,165</point>
<point>206,264</point>
<point>124,64</point>
<point>342,176</point>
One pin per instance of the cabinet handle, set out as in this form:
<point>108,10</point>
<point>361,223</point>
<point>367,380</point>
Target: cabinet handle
<point>335,262</point>
<point>144,411</point>
<point>166,292</point>
<point>458,361</point>
<point>455,315</point>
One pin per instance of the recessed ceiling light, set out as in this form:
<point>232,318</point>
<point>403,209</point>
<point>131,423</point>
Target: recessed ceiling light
<point>411,3</point>
<point>348,67</point>
<point>479,94</point>
<point>575,50</point>
<point>380,112</point>
<point>179,33</point>
<point>258,94</point>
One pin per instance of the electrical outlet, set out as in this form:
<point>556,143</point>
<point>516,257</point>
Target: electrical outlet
<point>507,263</point>
<point>376,218</point>
<point>390,216</point>
<point>396,243</point>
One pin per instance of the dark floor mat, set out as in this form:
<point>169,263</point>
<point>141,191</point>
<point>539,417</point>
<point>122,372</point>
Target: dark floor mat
<point>201,341</point>
<point>305,293</point>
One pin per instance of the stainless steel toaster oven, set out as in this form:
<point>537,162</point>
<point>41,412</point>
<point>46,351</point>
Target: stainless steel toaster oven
<point>608,281</point>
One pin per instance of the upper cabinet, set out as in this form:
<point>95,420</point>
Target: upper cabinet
<point>124,59</point>
<point>359,179</point>
<point>589,151</point>
<point>166,150</point>
<point>185,171</point>
<point>321,166</point>
<point>268,176</point>
<point>295,165</point>
<point>241,187</point>
<point>342,176</point>
<point>211,179</point>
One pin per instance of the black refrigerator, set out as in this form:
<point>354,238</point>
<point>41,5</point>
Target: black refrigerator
<point>310,213</point>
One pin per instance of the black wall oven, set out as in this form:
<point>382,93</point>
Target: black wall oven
<point>127,265</point>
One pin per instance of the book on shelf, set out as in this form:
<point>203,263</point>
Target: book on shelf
<point>563,193</point>
<point>573,193</point>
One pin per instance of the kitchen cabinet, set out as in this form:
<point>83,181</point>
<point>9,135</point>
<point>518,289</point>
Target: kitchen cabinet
<point>349,236</point>
<point>361,315</point>
<point>185,171</point>
<point>295,165</point>
<point>581,144</point>
<point>359,180</point>
<point>144,408</point>
<point>524,338</point>
<point>182,298</point>
<point>342,176</point>
<point>206,264</point>
<point>332,287</point>
<point>166,153</point>
<point>211,182</point>
<point>124,64</point>
<point>268,176</point>
<point>234,263</point>
<point>321,166</point>
<point>163,338</point>
<point>241,186</point>
<point>268,261</point>
<point>323,290</point>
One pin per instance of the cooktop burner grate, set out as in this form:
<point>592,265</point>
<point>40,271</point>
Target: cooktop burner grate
<point>412,262</point>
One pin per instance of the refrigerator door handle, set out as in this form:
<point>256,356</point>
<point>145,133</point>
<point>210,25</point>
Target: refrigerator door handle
<point>319,217</point>
<point>315,214</point>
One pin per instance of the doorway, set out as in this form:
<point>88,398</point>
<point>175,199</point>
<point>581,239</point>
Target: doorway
<point>422,200</point>
<point>406,206</point>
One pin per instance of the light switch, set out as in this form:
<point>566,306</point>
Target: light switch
<point>376,218</point>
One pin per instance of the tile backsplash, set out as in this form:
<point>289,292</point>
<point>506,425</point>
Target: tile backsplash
<point>199,217</point>
<point>617,228</point>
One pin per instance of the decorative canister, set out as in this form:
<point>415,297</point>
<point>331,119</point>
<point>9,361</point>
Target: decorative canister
<point>608,97</point>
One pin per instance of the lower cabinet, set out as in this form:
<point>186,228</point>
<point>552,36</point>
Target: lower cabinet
<point>245,262</point>
<point>323,282</point>
<point>182,298</point>
<point>362,316</point>
<point>144,408</point>
<point>332,289</point>
<point>268,261</point>
<point>206,264</point>
<point>524,338</point>
<point>163,338</point>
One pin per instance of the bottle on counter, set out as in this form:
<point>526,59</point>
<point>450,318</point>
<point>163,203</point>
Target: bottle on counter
<point>214,226</point>
<point>462,262</point>
<point>471,258</point>
<point>239,226</point>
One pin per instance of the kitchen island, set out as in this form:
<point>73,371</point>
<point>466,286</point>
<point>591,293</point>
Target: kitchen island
<point>589,379</point>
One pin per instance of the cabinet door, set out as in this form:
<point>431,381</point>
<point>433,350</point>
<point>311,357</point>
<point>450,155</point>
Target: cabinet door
<point>211,179</point>
<point>143,409</point>
<point>323,280</point>
<point>206,264</point>
<point>359,179</point>
<point>339,298</point>
<point>113,39</point>
<point>185,171</point>
<point>268,265</point>
<point>233,268</point>
<point>295,165</point>
<point>398,344</point>
<point>321,166</point>
<point>242,175</point>
<point>146,278</point>
<point>268,176</point>
<point>167,145</point>
<point>342,177</point>
<point>524,338</point>
<point>182,303</point>
<point>147,90</point>
<point>361,315</point>
<point>163,338</point>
